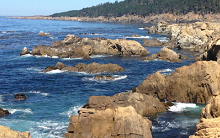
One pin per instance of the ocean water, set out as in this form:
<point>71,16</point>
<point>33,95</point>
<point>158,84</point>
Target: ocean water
<point>53,97</point>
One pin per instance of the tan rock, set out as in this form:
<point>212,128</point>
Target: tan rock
<point>25,51</point>
<point>195,83</point>
<point>113,123</point>
<point>6,132</point>
<point>43,34</point>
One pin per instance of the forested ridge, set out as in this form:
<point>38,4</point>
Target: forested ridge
<point>145,7</point>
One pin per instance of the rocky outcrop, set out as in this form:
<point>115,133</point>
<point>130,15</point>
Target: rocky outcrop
<point>4,112</point>
<point>25,51</point>
<point>6,132</point>
<point>208,126</point>
<point>165,54</point>
<point>43,34</point>
<point>195,83</point>
<point>152,42</point>
<point>20,97</point>
<point>73,47</point>
<point>120,122</point>
<point>198,36</point>
<point>100,77</point>
<point>145,105</point>
<point>90,68</point>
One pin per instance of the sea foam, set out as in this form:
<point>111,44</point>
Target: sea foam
<point>180,107</point>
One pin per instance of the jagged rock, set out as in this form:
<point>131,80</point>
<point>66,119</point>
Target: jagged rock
<point>20,97</point>
<point>100,77</point>
<point>195,83</point>
<point>74,47</point>
<point>208,126</point>
<point>165,54</point>
<point>145,105</point>
<point>115,123</point>
<point>6,132</point>
<point>152,42</point>
<point>90,68</point>
<point>25,51</point>
<point>41,33</point>
<point>4,112</point>
<point>152,30</point>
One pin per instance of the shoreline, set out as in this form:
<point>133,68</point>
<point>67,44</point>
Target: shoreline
<point>171,18</point>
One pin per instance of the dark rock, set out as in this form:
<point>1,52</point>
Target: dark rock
<point>20,97</point>
<point>4,112</point>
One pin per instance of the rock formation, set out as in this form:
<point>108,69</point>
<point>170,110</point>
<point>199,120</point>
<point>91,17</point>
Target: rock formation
<point>195,83</point>
<point>20,97</point>
<point>165,54</point>
<point>145,105</point>
<point>100,77</point>
<point>120,122</point>
<point>90,68</point>
<point>4,112</point>
<point>73,47</point>
<point>198,36</point>
<point>152,42</point>
<point>25,51</point>
<point>6,132</point>
<point>208,126</point>
<point>41,33</point>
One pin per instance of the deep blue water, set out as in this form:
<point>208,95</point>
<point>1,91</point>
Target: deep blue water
<point>53,97</point>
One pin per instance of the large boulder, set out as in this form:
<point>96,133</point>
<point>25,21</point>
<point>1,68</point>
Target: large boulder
<point>195,83</point>
<point>145,105</point>
<point>208,126</point>
<point>115,123</point>
<point>6,132</point>
<point>90,68</point>
<point>74,47</point>
<point>165,54</point>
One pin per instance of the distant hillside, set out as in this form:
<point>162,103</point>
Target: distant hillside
<point>145,7</point>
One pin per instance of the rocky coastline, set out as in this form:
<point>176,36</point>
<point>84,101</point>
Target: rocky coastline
<point>171,18</point>
<point>6,132</point>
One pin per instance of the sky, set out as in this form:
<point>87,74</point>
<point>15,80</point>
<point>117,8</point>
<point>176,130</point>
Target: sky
<point>44,7</point>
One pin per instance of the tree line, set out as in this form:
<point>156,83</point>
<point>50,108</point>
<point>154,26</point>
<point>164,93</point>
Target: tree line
<point>145,8</point>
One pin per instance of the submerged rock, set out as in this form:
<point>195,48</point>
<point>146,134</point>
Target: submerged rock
<point>20,97</point>
<point>41,33</point>
<point>120,122</point>
<point>195,83</point>
<point>6,132</point>
<point>90,68</point>
<point>208,126</point>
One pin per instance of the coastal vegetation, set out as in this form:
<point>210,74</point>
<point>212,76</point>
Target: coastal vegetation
<point>145,8</point>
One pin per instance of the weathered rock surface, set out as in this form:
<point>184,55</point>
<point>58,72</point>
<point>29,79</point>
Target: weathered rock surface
<point>165,54</point>
<point>90,68</point>
<point>43,34</point>
<point>198,36</point>
<point>152,42</point>
<point>25,51</point>
<point>20,97</point>
<point>73,47</point>
<point>120,122</point>
<point>145,105</point>
<point>6,132</point>
<point>100,77</point>
<point>208,126</point>
<point>4,112</point>
<point>195,83</point>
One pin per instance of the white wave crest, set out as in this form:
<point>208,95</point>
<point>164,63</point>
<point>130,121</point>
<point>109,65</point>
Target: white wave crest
<point>57,71</point>
<point>138,37</point>
<point>27,110</point>
<point>116,78</point>
<point>39,92</point>
<point>27,55</point>
<point>53,37</point>
<point>99,56</point>
<point>72,111</point>
<point>141,28</point>
<point>71,58</point>
<point>180,107</point>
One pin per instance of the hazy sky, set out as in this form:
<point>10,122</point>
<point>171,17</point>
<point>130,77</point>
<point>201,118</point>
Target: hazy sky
<point>44,7</point>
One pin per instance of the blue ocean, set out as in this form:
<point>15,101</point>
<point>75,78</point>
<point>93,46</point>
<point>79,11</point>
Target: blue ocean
<point>53,97</point>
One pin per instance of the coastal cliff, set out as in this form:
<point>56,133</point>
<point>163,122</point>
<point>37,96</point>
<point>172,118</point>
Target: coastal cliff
<point>6,132</point>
